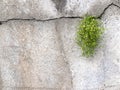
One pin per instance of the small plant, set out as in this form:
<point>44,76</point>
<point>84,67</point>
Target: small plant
<point>88,35</point>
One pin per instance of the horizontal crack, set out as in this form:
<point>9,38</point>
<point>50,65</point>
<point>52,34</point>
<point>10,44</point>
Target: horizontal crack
<point>71,17</point>
<point>34,19</point>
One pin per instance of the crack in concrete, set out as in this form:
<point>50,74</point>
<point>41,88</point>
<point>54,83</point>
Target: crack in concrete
<point>59,37</point>
<point>112,4</point>
<point>34,19</point>
<point>71,17</point>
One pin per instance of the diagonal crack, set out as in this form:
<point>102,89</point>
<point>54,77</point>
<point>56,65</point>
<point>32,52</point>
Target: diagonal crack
<point>112,4</point>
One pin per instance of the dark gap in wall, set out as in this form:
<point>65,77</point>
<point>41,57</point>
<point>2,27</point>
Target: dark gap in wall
<point>60,4</point>
<point>0,23</point>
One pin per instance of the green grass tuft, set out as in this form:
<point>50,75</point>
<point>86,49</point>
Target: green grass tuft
<point>88,35</point>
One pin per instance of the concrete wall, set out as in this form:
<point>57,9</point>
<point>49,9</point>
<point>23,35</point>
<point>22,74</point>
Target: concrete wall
<point>38,49</point>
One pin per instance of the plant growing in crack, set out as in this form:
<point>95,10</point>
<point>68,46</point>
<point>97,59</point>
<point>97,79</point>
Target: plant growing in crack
<point>88,35</point>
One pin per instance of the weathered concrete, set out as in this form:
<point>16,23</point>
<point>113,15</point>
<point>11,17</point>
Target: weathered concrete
<point>113,88</point>
<point>30,56</point>
<point>87,74</point>
<point>40,53</point>
<point>23,88</point>
<point>81,7</point>
<point>27,9</point>
<point>51,9</point>
<point>111,20</point>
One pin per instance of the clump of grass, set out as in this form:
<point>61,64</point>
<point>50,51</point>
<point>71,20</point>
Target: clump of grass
<point>88,35</point>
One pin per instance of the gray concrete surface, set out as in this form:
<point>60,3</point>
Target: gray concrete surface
<point>38,49</point>
<point>87,73</point>
<point>111,21</point>
<point>50,9</point>
<point>30,56</point>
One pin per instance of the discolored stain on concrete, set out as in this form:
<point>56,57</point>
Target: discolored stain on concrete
<point>0,23</point>
<point>60,4</point>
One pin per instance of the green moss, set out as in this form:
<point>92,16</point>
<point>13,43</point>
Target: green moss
<point>88,35</point>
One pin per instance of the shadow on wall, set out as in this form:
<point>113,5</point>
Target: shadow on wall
<point>60,4</point>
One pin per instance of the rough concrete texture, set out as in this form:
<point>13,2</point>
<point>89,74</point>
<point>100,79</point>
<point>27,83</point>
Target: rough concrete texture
<point>87,73</point>
<point>30,56</point>
<point>82,7</point>
<point>38,49</point>
<point>111,21</point>
<point>27,9</point>
<point>113,88</point>
<point>50,9</point>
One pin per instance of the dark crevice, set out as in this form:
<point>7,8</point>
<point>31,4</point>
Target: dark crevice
<point>112,4</point>
<point>34,19</point>
<point>71,17</point>
<point>60,4</point>
<point>0,23</point>
<point>100,16</point>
